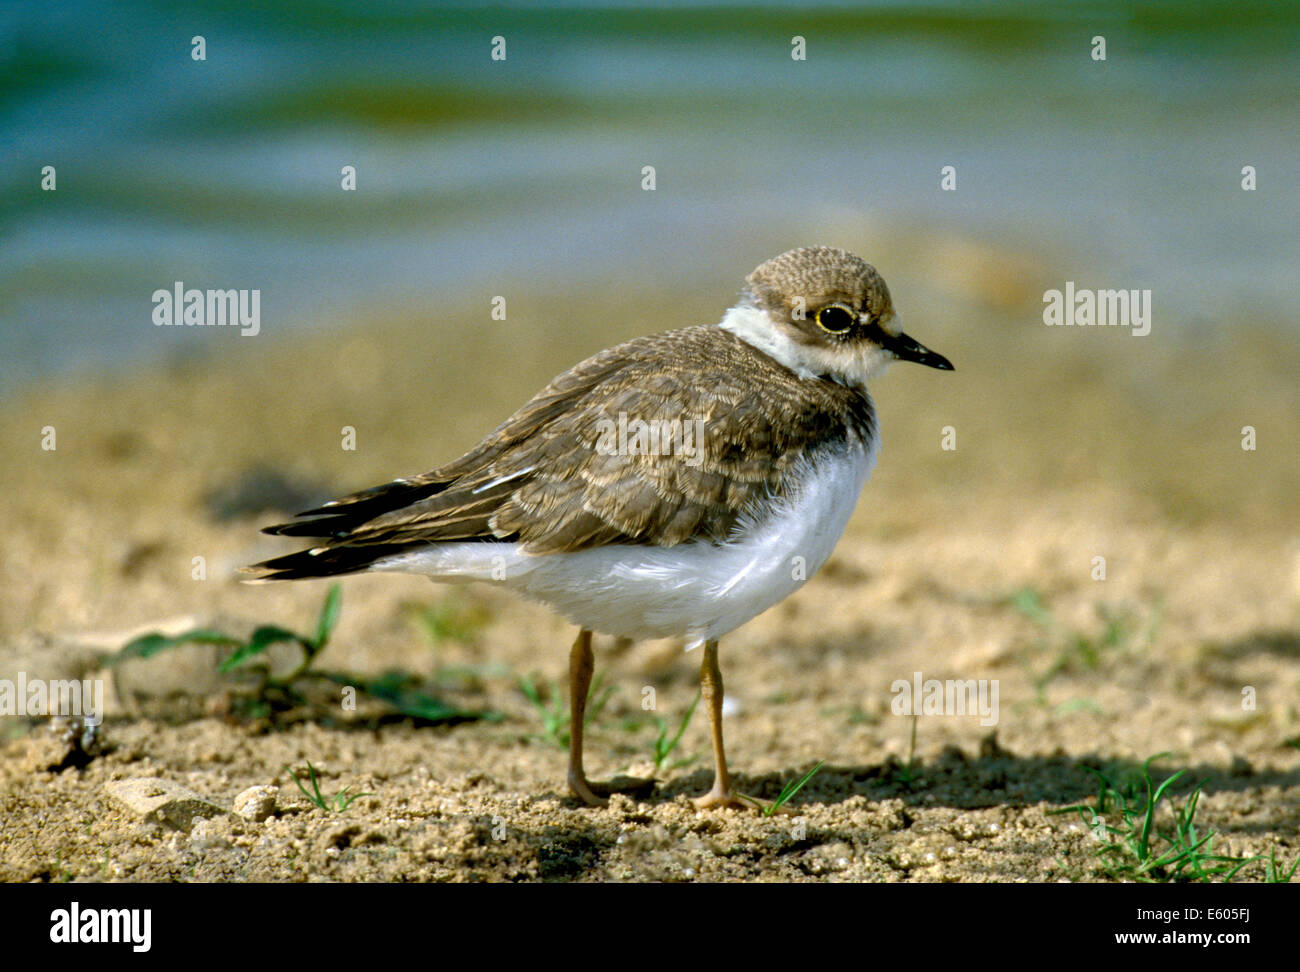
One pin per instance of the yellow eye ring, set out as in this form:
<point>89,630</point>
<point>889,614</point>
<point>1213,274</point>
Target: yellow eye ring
<point>836,318</point>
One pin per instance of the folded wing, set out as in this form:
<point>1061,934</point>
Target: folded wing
<point>660,441</point>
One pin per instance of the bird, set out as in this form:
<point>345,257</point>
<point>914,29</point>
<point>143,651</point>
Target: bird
<point>675,485</point>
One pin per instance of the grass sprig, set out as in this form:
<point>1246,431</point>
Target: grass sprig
<point>664,746</point>
<point>555,714</point>
<point>340,801</point>
<point>1136,847</point>
<point>274,692</point>
<point>790,789</point>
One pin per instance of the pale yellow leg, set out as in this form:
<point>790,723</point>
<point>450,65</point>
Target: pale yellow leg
<point>721,795</point>
<point>581,665</point>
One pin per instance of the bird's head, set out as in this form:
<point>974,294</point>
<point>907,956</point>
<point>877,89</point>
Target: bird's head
<point>823,312</point>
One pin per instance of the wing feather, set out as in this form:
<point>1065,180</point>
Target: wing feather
<point>544,477</point>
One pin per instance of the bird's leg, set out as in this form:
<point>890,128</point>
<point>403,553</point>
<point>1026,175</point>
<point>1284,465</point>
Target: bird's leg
<point>721,795</point>
<point>581,664</point>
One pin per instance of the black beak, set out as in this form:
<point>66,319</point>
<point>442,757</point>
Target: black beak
<point>905,349</point>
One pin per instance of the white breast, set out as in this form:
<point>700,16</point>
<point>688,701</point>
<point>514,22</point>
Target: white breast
<point>695,590</point>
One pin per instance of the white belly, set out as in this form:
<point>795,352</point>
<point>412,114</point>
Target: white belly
<point>698,591</point>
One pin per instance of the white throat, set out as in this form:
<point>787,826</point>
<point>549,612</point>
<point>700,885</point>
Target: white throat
<point>752,325</point>
<point>850,367</point>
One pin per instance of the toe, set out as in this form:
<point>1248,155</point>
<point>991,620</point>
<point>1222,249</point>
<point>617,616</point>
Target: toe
<point>730,800</point>
<point>582,790</point>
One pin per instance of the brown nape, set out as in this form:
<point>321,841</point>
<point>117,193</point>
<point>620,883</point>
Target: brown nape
<point>820,275</point>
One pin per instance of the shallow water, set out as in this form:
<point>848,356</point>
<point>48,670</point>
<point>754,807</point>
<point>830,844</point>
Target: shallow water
<point>475,175</point>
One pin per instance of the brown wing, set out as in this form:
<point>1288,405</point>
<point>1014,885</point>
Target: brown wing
<point>568,471</point>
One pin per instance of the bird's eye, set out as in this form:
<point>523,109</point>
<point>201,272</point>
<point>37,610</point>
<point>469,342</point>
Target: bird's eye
<point>836,318</point>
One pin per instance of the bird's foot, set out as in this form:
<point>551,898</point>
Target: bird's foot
<point>595,794</point>
<point>730,800</point>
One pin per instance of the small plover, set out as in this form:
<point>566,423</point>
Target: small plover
<point>675,485</point>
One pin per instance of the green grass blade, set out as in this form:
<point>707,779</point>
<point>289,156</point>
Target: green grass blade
<point>329,617</point>
<point>344,800</point>
<point>403,693</point>
<point>262,639</point>
<point>663,745</point>
<point>146,646</point>
<point>790,789</point>
<point>1153,798</point>
<point>316,798</point>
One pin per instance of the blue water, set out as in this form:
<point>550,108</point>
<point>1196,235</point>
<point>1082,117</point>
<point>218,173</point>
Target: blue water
<point>225,173</point>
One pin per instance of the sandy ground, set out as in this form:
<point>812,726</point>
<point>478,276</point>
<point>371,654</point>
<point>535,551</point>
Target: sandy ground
<point>1070,445</point>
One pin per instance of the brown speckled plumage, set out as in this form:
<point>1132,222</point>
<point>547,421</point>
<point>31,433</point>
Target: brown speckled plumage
<point>540,479</point>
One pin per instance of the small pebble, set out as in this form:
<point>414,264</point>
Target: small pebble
<point>256,803</point>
